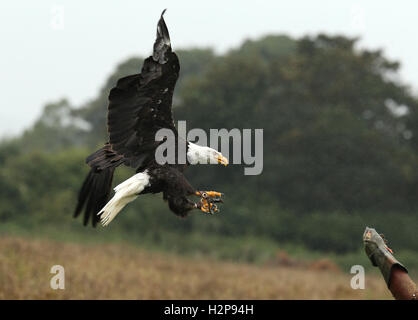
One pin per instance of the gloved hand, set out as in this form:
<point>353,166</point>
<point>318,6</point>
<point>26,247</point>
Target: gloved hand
<point>380,254</point>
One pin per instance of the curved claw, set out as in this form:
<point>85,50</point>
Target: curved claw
<point>218,198</point>
<point>207,206</point>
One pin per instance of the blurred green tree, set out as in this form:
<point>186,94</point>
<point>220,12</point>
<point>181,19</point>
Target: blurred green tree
<point>340,146</point>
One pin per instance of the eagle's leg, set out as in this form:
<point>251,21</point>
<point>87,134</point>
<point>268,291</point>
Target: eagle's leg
<point>213,195</point>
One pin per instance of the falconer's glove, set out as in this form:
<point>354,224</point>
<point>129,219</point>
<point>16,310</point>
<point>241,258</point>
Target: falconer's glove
<point>380,254</point>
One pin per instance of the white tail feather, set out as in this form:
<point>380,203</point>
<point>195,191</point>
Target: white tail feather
<point>125,192</point>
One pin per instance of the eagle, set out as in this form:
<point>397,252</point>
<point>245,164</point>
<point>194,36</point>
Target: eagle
<point>139,106</point>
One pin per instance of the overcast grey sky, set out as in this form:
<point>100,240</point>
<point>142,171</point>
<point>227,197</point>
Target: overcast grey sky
<point>54,49</point>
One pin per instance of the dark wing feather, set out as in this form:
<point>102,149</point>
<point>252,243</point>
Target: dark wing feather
<point>140,104</point>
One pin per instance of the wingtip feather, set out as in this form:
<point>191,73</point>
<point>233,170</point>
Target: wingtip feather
<point>162,43</point>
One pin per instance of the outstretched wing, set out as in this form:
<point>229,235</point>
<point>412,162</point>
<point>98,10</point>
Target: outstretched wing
<point>140,104</point>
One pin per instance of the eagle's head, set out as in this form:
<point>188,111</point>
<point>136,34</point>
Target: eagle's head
<point>204,155</point>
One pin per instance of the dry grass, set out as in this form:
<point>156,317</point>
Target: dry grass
<point>124,272</point>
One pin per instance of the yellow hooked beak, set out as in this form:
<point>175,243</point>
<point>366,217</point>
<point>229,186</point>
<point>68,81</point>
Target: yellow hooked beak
<point>223,160</point>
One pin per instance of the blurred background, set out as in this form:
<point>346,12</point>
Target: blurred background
<point>333,85</point>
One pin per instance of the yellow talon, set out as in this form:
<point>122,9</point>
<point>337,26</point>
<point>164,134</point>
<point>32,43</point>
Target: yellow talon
<point>208,200</point>
<point>205,207</point>
<point>213,194</point>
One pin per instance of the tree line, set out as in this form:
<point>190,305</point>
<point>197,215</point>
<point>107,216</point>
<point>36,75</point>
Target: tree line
<point>340,146</point>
